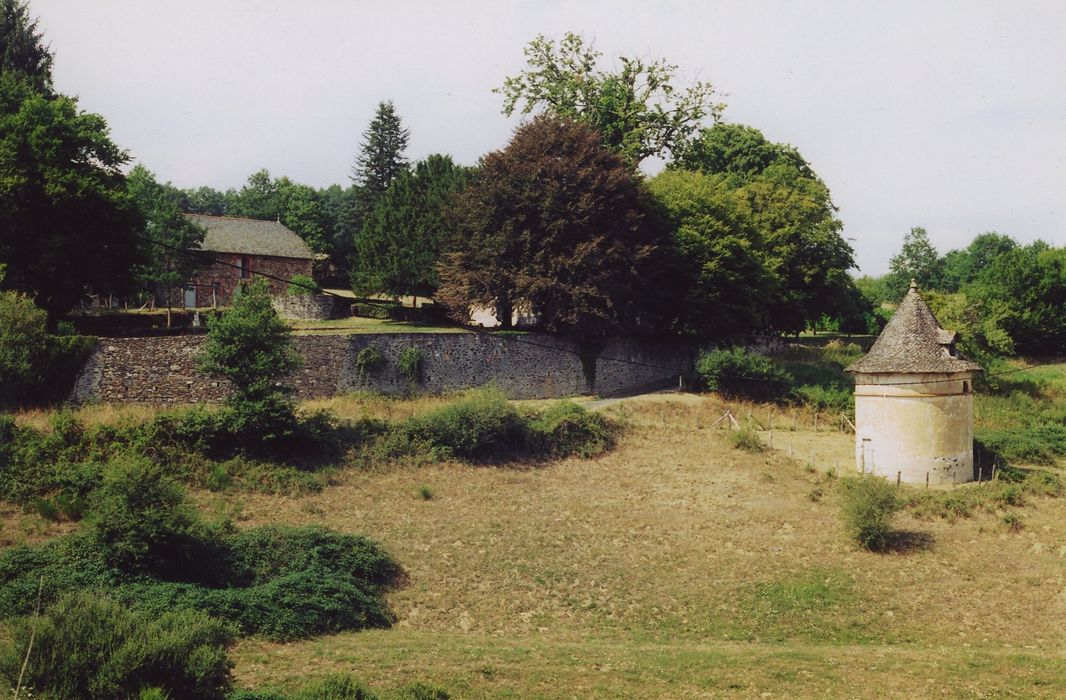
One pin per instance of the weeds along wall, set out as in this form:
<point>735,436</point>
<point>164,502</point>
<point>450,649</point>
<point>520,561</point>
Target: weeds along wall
<point>163,370</point>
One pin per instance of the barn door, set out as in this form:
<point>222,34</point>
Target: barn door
<point>190,297</point>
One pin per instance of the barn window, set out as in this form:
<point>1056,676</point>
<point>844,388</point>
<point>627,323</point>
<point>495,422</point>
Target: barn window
<point>245,272</point>
<point>965,387</point>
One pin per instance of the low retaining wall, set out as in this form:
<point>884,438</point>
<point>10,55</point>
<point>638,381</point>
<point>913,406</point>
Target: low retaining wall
<point>164,370</point>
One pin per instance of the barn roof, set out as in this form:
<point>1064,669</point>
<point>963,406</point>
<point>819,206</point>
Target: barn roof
<point>231,234</point>
<point>914,342</point>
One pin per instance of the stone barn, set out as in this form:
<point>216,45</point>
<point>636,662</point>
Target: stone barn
<point>242,248</point>
<point>914,401</point>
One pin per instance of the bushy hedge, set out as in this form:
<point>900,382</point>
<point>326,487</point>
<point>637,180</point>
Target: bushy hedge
<point>737,373</point>
<point>483,425</point>
<point>150,550</point>
<point>87,646</point>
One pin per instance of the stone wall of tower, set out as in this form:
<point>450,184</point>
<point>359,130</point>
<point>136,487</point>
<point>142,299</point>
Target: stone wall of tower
<point>916,425</point>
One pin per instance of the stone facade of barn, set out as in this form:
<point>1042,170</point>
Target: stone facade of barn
<point>243,249</point>
<point>914,401</point>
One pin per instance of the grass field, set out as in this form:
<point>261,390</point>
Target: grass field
<point>678,566</point>
<point>673,567</point>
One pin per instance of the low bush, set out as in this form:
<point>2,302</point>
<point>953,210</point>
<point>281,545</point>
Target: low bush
<point>368,363</point>
<point>737,373</point>
<point>87,646</point>
<point>410,366</point>
<point>152,552</point>
<point>565,429</point>
<point>302,285</point>
<point>479,426</point>
<point>867,505</point>
<point>746,439</point>
<point>1037,444</point>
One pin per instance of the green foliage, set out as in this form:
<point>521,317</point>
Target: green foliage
<point>481,425</point>
<point>302,285</point>
<point>722,288</point>
<point>87,646</point>
<point>22,50</point>
<point>555,223</point>
<point>368,362</point>
<point>918,260</point>
<point>867,504</point>
<point>281,582</point>
<point>142,523</point>
<point>425,493</point>
<point>637,111</point>
<point>169,264</point>
<point>1036,444</point>
<point>746,439</point>
<point>565,429</point>
<point>737,373</point>
<point>786,216</point>
<point>249,346</point>
<point>23,339</point>
<point>405,234</point>
<point>68,223</point>
<point>410,365</point>
<point>381,158</point>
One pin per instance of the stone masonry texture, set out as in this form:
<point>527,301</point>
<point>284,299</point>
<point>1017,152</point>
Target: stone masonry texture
<point>163,370</point>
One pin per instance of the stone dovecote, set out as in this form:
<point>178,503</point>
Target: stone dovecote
<point>914,401</point>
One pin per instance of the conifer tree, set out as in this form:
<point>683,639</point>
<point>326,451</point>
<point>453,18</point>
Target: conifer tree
<point>381,158</point>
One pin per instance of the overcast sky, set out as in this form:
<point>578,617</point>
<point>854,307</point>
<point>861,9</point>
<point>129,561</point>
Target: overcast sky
<point>947,115</point>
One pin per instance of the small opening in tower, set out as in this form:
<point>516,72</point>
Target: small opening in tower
<point>965,387</point>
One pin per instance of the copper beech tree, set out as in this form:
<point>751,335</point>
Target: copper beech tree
<point>555,223</point>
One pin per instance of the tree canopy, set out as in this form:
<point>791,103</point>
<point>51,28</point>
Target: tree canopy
<point>403,238</point>
<point>69,224</point>
<point>636,109</point>
<point>22,52</point>
<point>558,223</point>
<point>917,260</point>
<point>168,233</point>
<point>381,157</point>
<point>787,204</point>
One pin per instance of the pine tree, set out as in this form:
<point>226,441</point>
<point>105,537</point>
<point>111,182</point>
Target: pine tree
<point>21,50</point>
<point>381,159</point>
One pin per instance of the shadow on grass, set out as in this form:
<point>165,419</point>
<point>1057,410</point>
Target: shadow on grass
<point>908,542</point>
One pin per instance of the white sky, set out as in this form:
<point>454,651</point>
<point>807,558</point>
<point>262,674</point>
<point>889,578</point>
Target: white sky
<point>947,115</point>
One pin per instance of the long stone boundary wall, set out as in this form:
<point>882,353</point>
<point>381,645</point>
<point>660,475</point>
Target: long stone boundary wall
<point>162,370</point>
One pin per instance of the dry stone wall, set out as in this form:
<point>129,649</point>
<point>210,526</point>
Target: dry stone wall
<point>163,370</point>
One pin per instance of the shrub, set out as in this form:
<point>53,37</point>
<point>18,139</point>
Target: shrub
<point>23,340</point>
<point>284,583</point>
<point>368,363</point>
<point>302,285</point>
<point>867,505</point>
<point>481,425</point>
<point>410,366</point>
<point>566,429</point>
<point>142,523</point>
<point>335,687</point>
<point>737,373</point>
<point>86,646</point>
<point>746,439</point>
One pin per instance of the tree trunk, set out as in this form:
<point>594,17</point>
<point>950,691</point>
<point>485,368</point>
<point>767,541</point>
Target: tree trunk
<point>504,311</point>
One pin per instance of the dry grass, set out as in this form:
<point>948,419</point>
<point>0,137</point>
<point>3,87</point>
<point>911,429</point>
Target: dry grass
<point>675,566</point>
<point>96,414</point>
<point>679,567</point>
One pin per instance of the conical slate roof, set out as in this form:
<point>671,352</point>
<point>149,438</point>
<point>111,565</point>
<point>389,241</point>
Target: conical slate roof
<point>914,342</point>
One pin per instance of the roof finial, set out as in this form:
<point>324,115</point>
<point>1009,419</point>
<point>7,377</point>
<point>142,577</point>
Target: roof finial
<point>914,284</point>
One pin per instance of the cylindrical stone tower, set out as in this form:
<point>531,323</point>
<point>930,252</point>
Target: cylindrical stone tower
<point>914,401</point>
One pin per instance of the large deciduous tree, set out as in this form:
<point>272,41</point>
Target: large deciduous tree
<point>791,208</point>
<point>69,226</point>
<point>718,283</point>
<point>917,260</point>
<point>403,238</point>
<point>557,222</point>
<point>636,109</point>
